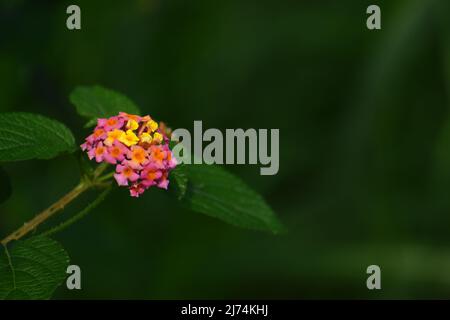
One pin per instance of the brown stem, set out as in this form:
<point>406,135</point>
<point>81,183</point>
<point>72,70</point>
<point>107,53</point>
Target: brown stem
<point>47,213</point>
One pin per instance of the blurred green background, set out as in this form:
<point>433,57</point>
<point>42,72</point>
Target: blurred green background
<point>365,142</point>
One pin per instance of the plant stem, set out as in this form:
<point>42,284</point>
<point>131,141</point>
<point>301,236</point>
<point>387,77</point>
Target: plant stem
<point>86,183</point>
<point>47,213</point>
<point>105,177</point>
<point>79,215</point>
<point>102,167</point>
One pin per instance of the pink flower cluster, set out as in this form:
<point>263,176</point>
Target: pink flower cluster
<point>138,146</point>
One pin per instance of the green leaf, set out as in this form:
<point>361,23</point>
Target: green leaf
<point>98,102</point>
<point>5,186</point>
<point>215,192</point>
<point>181,181</point>
<point>25,136</point>
<point>32,269</point>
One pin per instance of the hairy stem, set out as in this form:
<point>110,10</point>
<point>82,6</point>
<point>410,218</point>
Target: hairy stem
<point>47,213</point>
<point>102,167</point>
<point>105,177</point>
<point>87,182</point>
<point>79,215</point>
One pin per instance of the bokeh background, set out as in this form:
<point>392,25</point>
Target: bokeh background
<point>365,142</point>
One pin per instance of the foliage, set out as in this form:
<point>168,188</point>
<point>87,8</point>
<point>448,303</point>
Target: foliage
<point>25,136</point>
<point>213,191</point>
<point>32,269</point>
<point>98,102</point>
<point>35,267</point>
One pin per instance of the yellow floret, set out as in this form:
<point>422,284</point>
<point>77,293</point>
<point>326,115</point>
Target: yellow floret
<point>152,125</point>
<point>145,137</point>
<point>157,137</point>
<point>113,135</point>
<point>129,138</point>
<point>132,124</point>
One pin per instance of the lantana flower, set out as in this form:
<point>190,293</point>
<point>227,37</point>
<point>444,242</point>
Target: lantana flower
<point>137,146</point>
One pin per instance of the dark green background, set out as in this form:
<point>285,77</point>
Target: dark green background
<point>365,141</point>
